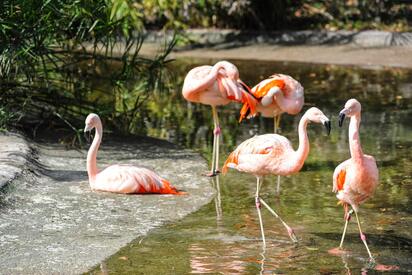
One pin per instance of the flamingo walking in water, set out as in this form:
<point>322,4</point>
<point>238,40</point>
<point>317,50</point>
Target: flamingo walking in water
<point>278,94</point>
<point>355,179</point>
<point>217,85</point>
<point>273,154</point>
<point>121,178</point>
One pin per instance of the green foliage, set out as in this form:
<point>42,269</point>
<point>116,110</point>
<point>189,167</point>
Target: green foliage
<point>278,14</point>
<point>6,117</point>
<point>51,52</point>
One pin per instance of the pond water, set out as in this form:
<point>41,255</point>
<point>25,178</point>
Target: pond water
<point>224,235</point>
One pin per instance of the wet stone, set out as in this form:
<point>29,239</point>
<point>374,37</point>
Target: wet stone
<point>50,220</point>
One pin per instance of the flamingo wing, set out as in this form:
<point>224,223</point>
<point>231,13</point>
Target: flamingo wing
<point>131,179</point>
<point>257,148</point>
<point>339,176</point>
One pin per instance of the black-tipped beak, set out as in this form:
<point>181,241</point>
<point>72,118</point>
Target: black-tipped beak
<point>327,126</point>
<point>341,118</point>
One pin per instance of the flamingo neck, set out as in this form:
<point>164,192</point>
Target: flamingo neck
<point>354,139</point>
<point>303,150</point>
<point>92,154</point>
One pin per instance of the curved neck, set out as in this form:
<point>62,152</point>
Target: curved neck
<point>354,140</point>
<point>190,86</point>
<point>303,150</point>
<point>92,154</point>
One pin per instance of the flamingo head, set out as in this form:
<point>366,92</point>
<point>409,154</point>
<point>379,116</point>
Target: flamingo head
<point>227,69</point>
<point>352,107</point>
<point>92,120</point>
<point>317,116</point>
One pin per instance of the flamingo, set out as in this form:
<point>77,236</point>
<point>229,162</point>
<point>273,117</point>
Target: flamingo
<point>278,94</point>
<point>217,85</point>
<point>355,179</point>
<point>121,178</point>
<point>273,154</point>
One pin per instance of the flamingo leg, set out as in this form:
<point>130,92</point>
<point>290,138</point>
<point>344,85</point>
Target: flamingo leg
<point>347,218</point>
<point>257,202</point>
<point>278,185</point>
<point>363,237</point>
<point>276,124</point>
<point>215,153</point>
<point>217,132</point>
<point>288,228</point>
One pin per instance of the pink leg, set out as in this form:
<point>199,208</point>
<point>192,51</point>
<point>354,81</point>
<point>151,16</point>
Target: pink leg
<point>257,202</point>
<point>363,238</point>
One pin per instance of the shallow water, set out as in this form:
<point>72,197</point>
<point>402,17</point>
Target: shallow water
<point>224,236</point>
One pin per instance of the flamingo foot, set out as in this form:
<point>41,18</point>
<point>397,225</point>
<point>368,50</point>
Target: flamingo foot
<point>292,234</point>
<point>217,131</point>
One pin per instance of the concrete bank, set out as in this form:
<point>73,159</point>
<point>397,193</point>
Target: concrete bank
<point>365,48</point>
<point>50,220</point>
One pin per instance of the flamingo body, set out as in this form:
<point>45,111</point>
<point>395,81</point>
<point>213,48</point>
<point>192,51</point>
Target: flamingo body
<point>263,155</point>
<point>130,179</point>
<point>278,94</point>
<point>356,181</point>
<point>121,178</point>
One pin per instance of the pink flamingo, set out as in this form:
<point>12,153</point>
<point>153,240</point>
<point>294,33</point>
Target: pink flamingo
<point>355,179</point>
<point>273,154</point>
<point>121,178</point>
<point>278,94</point>
<point>217,85</point>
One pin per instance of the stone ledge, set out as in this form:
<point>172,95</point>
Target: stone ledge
<point>14,154</point>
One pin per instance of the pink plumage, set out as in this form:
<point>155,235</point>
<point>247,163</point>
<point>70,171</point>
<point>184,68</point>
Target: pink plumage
<point>355,179</point>
<point>217,85</point>
<point>121,178</point>
<point>273,154</point>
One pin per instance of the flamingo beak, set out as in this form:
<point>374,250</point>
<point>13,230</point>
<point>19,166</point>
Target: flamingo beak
<point>341,118</point>
<point>328,126</point>
<point>87,133</point>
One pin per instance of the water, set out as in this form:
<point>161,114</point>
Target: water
<point>224,236</point>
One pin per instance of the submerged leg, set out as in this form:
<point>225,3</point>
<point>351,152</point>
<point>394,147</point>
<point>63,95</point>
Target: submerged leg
<point>363,237</point>
<point>288,228</point>
<point>257,202</point>
<point>347,218</point>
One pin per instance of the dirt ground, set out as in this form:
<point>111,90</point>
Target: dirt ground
<point>393,56</point>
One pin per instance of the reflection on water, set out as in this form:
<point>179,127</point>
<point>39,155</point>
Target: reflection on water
<point>224,236</point>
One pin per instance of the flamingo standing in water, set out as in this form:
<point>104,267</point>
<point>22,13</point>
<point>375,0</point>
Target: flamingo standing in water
<point>121,178</point>
<point>217,85</point>
<point>278,94</point>
<point>355,179</point>
<point>273,154</point>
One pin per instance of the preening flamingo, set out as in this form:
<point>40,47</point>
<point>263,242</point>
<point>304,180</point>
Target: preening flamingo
<point>121,178</point>
<point>217,85</point>
<point>273,154</point>
<point>355,179</point>
<point>278,94</point>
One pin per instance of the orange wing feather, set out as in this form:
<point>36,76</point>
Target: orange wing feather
<point>341,179</point>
